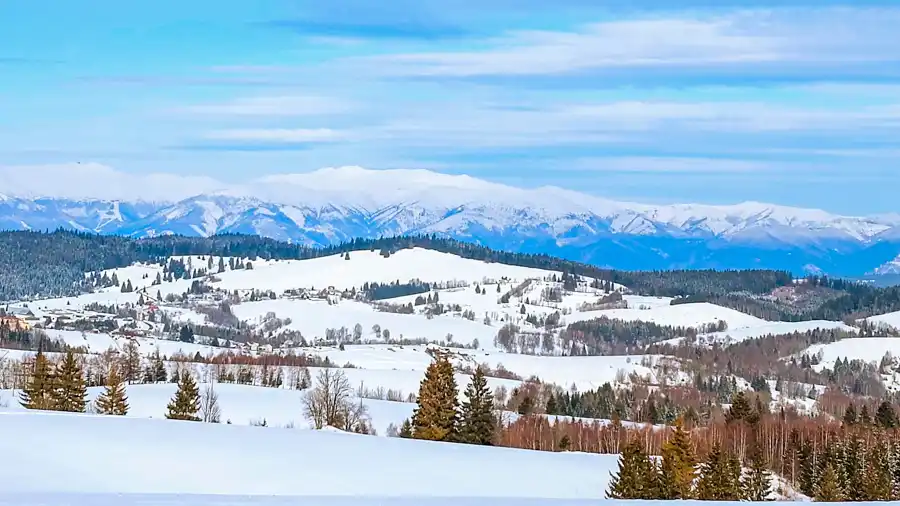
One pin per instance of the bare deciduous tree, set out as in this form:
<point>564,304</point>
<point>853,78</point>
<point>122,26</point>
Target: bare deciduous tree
<point>328,403</point>
<point>209,405</point>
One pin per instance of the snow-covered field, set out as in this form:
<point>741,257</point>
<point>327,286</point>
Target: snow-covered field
<point>868,349</point>
<point>311,318</point>
<point>402,367</point>
<point>98,342</point>
<point>584,372</point>
<point>891,319</point>
<point>241,405</point>
<point>123,455</point>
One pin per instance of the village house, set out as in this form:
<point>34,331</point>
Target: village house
<point>14,323</point>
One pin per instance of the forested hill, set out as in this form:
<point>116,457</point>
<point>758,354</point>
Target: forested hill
<point>36,264</point>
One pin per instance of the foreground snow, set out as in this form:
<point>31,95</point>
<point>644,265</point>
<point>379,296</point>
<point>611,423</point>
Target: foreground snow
<point>118,455</point>
<point>212,500</point>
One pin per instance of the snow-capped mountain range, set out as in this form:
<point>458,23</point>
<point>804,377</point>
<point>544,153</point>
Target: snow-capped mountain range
<point>336,204</point>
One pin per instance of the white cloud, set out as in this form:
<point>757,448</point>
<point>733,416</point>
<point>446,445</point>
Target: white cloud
<point>671,165</point>
<point>743,38</point>
<point>97,181</point>
<point>281,135</point>
<point>732,116</point>
<point>276,106</point>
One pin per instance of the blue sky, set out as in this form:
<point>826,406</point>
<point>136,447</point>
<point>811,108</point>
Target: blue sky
<point>721,101</point>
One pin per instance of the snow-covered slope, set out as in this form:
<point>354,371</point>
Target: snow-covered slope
<point>112,455</point>
<point>337,204</point>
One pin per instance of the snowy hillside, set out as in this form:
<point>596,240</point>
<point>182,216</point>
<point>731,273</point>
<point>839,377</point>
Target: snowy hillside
<point>235,460</point>
<point>338,204</point>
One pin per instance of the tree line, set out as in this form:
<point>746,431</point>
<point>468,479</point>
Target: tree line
<point>44,264</point>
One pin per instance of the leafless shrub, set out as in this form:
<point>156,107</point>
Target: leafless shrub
<point>209,405</point>
<point>328,402</point>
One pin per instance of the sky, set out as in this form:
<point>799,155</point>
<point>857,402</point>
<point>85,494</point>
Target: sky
<point>657,101</point>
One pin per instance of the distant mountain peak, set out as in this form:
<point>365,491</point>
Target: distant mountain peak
<point>341,203</point>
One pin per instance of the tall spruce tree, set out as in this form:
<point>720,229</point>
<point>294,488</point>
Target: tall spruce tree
<point>435,417</point>
<point>477,421</point>
<point>885,416</point>
<point>877,479</point>
<point>113,400</point>
<point>38,390</point>
<point>864,417</point>
<point>186,402</point>
<point>740,410</point>
<point>637,475</point>
<point>711,486</point>
<point>70,393</point>
<point>677,471</point>
<point>828,489</point>
<point>850,416</point>
<point>807,475</point>
<point>757,483</point>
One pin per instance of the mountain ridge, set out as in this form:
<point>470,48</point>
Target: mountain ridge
<point>333,205</point>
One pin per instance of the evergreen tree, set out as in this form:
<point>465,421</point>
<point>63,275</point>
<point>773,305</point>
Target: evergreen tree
<point>756,485</point>
<point>38,390</point>
<point>526,407</point>
<point>113,400</point>
<point>850,416</point>
<point>877,485</point>
<point>636,478</point>
<point>186,334</point>
<point>435,417</point>
<point>885,416</point>
<point>740,410</point>
<point>186,402</point>
<point>406,429</point>
<point>551,405</point>
<point>477,421</point>
<point>719,478</point>
<point>807,478</point>
<point>864,417</point>
<point>70,393</point>
<point>678,462</point>
<point>828,489</point>
<point>710,484</point>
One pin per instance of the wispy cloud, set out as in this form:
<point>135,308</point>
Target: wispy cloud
<point>276,106</point>
<point>746,38</point>
<point>278,135</point>
<point>98,181</point>
<point>655,164</point>
<point>355,30</point>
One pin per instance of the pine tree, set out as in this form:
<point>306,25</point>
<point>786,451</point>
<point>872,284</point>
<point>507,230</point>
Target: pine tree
<point>807,478</point>
<point>406,429</point>
<point>885,416</point>
<point>732,477</point>
<point>864,417</point>
<point>829,488</point>
<point>740,409</point>
<point>877,485</point>
<point>850,417</point>
<point>756,485</point>
<point>186,402</point>
<point>678,462</point>
<point>113,400</point>
<point>636,478</point>
<point>551,406</point>
<point>435,417</point>
<point>38,390</point>
<point>719,477</point>
<point>710,484</point>
<point>70,393</point>
<point>477,421</point>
